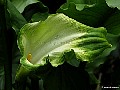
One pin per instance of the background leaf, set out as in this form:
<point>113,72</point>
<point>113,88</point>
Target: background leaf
<point>5,54</point>
<point>16,18</point>
<point>113,3</point>
<point>39,17</point>
<point>53,5</point>
<point>112,24</point>
<point>35,8</point>
<point>92,15</point>
<point>16,55</point>
<point>66,77</point>
<point>21,4</point>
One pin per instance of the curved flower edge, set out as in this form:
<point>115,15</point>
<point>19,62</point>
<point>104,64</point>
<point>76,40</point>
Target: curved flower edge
<point>89,39</point>
<point>83,41</point>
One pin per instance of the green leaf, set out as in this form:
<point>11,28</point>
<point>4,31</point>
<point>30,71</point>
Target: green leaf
<point>3,48</point>
<point>39,17</point>
<point>72,58</point>
<point>66,77</point>
<point>16,55</point>
<point>89,14</point>
<point>21,4</point>
<point>35,9</point>
<point>16,19</point>
<point>113,23</point>
<point>79,4</point>
<point>49,40</point>
<point>83,1</point>
<point>113,3</point>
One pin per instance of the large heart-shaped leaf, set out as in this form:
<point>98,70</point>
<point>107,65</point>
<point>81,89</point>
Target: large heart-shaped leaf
<point>52,40</point>
<point>89,12</point>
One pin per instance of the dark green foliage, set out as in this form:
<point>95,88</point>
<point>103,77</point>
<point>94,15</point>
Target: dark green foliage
<point>103,71</point>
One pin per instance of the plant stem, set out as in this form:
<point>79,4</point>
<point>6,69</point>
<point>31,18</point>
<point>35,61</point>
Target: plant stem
<point>98,86</point>
<point>21,78</point>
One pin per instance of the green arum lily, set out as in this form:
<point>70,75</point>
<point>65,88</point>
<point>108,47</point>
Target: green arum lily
<point>52,41</point>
